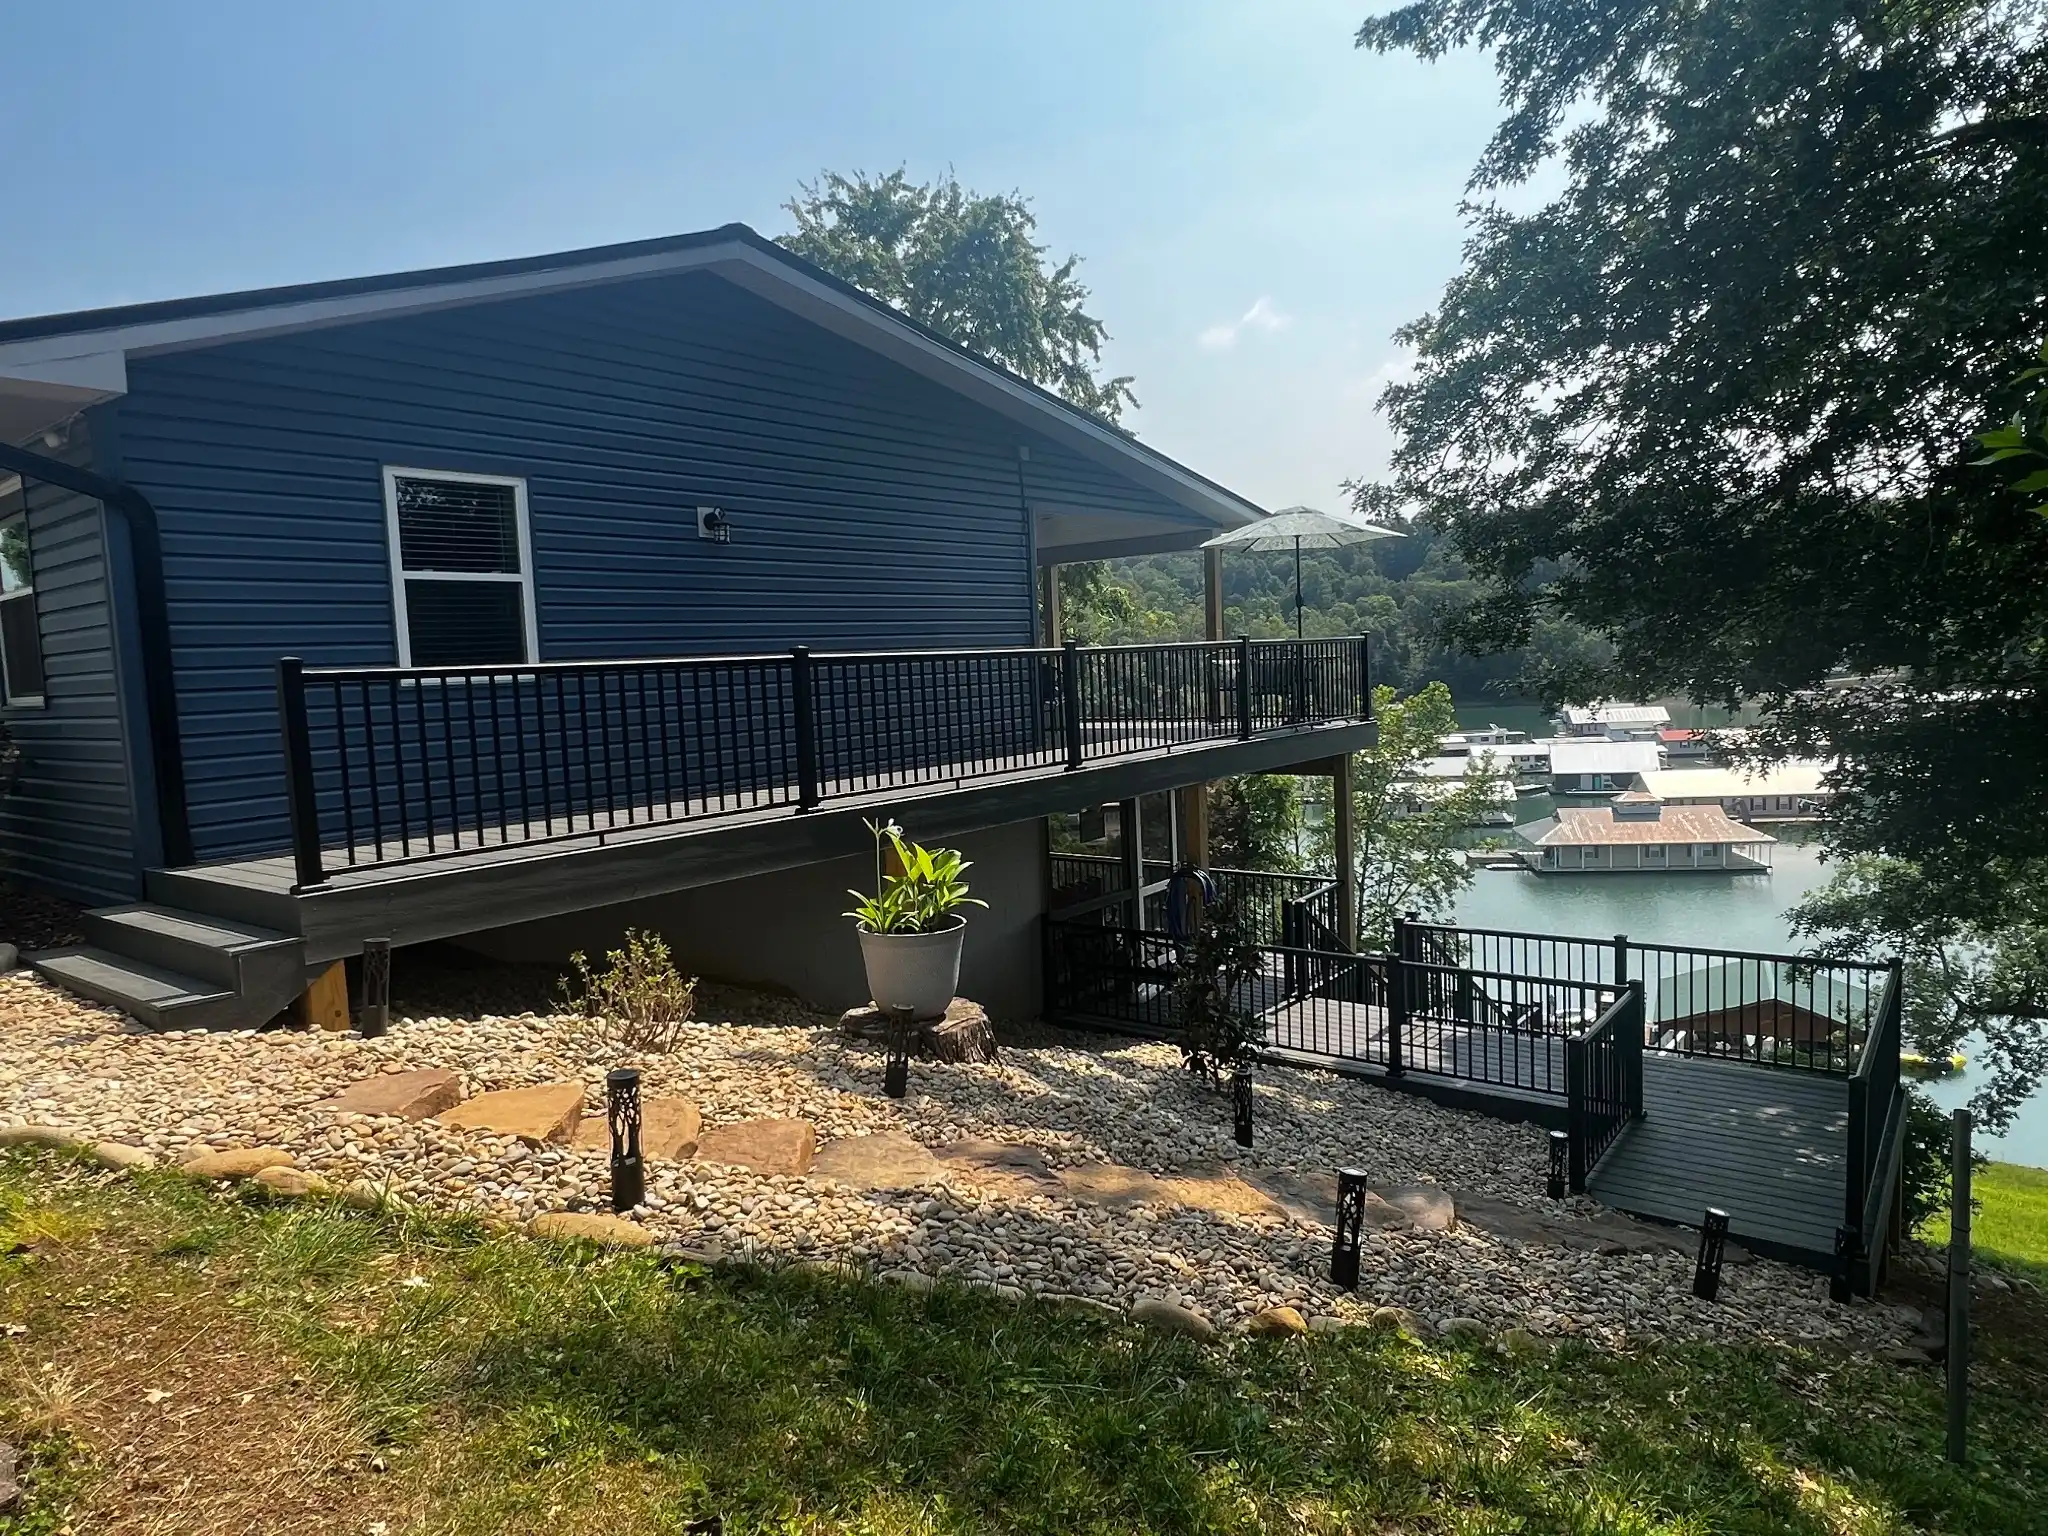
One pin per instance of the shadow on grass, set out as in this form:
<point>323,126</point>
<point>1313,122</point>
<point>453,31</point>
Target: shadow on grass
<point>536,1387</point>
<point>777,1397</point>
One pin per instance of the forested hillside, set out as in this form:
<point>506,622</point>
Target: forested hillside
<point>1401,591</point>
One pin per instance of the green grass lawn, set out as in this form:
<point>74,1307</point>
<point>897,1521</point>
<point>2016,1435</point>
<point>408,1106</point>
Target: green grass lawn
<point>175,1360</point>
<point>2010,1226</point>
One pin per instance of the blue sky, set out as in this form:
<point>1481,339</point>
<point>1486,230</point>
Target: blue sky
<point>1258,204</point>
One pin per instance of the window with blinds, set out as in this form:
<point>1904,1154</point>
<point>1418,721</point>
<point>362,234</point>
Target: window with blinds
<point>461,569</point>
<point>21,640</point>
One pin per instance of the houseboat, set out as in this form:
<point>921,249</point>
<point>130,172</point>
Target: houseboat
<point>1683,742</point>
<point>1639,834</point>
<point>1795,790</point>
<point>1600,767</point>
<point>1416,796</point>
<point>1614,722</point>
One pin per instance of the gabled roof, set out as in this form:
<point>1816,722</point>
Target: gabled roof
<point>76,359</point>
<point>1617,714</point>
<point>1599,827</point>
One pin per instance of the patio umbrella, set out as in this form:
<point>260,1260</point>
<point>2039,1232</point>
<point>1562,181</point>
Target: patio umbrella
<point>1299,528</point>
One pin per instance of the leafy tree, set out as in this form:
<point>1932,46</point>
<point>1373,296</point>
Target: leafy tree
<point>1213,976</point>
<point>1406,593</point>
<point>1255,822</point>
<point>2019,449</point>
<point>1410,849</point>
<point>1716,402</point>
<point>968,266</point>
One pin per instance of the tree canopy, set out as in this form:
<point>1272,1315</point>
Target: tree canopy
<point>967,265</point>
<point>1406,593</point>
<point>1719,400</point>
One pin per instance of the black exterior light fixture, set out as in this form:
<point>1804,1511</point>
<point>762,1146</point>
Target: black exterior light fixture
<point>622,1111</point>
<point>1350,1227</point>
<point>1241,1101</point>
<point>1560,1152</point>
<point>375,1017</point>
<point>896,1071</point>
<point>1706,1273</point>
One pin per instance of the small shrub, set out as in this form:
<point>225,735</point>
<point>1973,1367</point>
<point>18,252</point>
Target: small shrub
<point>1212,976</point>
<point>639,989</point>
<point>1926,1169</point>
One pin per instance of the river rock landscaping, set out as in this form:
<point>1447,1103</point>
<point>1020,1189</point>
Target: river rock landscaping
<point>1095,1172</point>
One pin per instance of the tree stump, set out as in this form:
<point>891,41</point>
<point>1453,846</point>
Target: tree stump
<point>962,1034</point>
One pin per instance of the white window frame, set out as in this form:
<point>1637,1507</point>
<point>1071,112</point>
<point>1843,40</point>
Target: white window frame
<point>393,473</point>
<point>9,699</point>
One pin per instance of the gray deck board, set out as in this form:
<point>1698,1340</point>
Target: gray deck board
<point>1766,1145</point>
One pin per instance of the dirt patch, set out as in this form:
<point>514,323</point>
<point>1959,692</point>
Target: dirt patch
<point>191,1421</point>
<point>31,922</point>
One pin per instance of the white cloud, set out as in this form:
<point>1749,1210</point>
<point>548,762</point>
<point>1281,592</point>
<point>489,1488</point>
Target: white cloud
<point>1397,369</point>
<point>1262,316</point>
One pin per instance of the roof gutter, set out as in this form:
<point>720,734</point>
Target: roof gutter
<point>159,689</point>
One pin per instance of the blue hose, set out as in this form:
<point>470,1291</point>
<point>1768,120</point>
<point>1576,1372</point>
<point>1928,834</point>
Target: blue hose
<point>1182,888</point>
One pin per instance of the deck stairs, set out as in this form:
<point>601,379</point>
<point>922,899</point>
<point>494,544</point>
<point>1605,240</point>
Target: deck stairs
<point>177,969</point>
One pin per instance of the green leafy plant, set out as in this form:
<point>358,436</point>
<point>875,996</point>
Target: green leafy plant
<point>2019,449</point>
<point>638,988</point>
<point>922,894</point>
<point>1212,975</point>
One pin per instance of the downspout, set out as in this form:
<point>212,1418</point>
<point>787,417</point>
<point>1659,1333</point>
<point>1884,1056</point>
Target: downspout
<point>159,688</point>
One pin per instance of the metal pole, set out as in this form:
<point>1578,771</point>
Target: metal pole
<point>1297,589</point>
<point>301,801</point>
<point>376,1014</point>
<point>807,787</point>
<point>1959,1289</point>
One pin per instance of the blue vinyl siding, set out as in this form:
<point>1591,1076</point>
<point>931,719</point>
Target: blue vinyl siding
<point>69,824</point>
<point>870,507</point>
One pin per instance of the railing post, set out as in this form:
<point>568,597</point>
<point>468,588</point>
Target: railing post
<point>1397,1001</point>
<point>1070,695</point>
<point>1621,959</point>
<point>1244,685</point>
<point>800,695</point>
<point>1856,1187</point>
<point>1577,1083</point>
<point>302,805</point>
<point>1365,677</point>
<point>1632,1048</point>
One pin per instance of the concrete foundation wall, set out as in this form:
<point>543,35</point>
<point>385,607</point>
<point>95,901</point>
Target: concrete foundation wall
<point>784,930</point>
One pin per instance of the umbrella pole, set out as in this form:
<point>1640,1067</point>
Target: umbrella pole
<point>1297,588</point>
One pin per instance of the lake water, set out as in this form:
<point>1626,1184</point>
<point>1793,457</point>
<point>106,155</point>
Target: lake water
<point>1723,911</point>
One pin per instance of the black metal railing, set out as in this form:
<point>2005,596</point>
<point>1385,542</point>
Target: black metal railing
<point>1876,1134</point>
<point>389,765</point>
<point>1398,1014</point>
<point>1803,1012</point>
<point>1603,1083</point>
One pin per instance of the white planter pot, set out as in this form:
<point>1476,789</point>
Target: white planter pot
<point>920,971</point>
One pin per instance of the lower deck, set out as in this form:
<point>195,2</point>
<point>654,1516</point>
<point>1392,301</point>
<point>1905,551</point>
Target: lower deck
<point>1766,1144</point>
<point>1770,1153</point>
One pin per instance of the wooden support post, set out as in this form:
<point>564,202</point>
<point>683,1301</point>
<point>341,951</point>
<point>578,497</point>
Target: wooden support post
<point>1959,1289</point>
<point>324,1003</point>
<point>1194,824</point>
<point>1049,604</point>
<point>1212,594</point>
<point>1345,827</point>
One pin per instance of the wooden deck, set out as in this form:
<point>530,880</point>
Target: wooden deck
<point>1766,1145</point>
<point>472,888</point>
